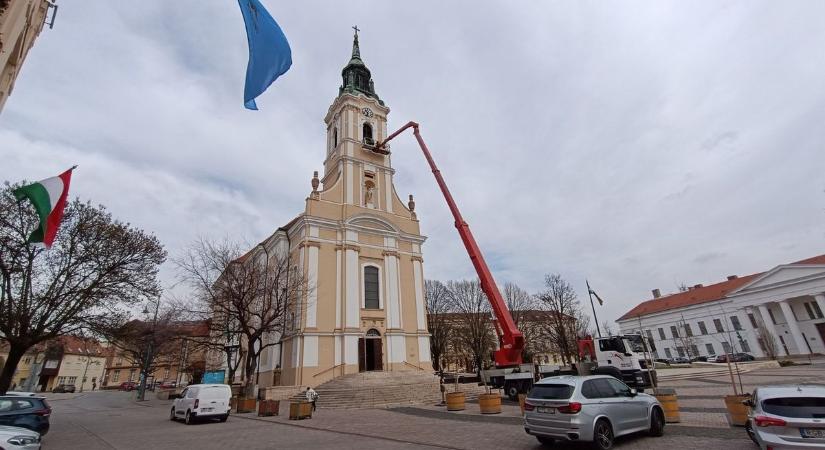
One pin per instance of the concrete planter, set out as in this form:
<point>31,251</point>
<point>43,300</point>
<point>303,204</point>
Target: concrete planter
<point>737,411</point>
<point>455,401</point>
<point>670,404</point>
<point>489,403</point>
<point>245,405</point>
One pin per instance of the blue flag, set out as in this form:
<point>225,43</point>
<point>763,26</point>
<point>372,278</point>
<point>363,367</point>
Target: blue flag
<point>269,52</point>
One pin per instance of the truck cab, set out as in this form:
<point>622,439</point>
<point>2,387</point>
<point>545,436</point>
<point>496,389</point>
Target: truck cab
<point>626,357</point>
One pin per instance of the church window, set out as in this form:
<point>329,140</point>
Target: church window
<point>367,132</point>
<point>371,288</point>
<point>335,138</point>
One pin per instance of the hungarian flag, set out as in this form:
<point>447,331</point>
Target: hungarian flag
<point>49,199</point>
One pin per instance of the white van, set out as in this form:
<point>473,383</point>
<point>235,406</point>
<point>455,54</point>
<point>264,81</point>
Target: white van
<point>209,401</point>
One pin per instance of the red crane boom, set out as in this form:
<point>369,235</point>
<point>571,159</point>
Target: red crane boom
<point>511,340</point>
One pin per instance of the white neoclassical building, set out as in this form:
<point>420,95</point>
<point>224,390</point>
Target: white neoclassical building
<point>784,304</point>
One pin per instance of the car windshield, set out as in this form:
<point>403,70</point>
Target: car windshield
<point>635,344</point>
<point>551,391</point>
<point>796,407</point>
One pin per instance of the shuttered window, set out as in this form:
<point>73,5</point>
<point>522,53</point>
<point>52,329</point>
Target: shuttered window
<point>371,288</point>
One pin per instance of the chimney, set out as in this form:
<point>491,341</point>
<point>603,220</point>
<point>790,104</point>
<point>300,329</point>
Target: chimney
<point>697,286</point>
<point>656,293</point>
<point>732,277</point>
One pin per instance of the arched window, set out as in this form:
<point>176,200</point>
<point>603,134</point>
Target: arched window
<point>367,132</point>
<point>373,333</point>
<point>335,138</point>
<point>371,300</point>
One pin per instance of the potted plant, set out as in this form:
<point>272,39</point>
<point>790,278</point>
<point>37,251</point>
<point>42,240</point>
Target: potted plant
<point>489,402</point>
<point>455,399</point>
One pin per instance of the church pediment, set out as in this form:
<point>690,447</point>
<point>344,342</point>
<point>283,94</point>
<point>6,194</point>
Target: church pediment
<point>374,222</point>
<point>782,275</point>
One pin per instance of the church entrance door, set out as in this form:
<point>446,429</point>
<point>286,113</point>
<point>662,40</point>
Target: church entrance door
<point>370,352</point>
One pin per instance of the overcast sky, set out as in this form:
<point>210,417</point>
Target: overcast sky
<point>636,144</point>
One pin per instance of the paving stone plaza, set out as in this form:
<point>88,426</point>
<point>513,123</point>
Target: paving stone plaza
<point>112,420</point>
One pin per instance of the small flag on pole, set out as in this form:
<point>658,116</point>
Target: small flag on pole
<point>269,52</point>
<point>593,293</point>
<point>49,199</point>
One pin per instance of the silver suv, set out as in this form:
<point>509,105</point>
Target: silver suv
<point>594,408</point>
<point>788,417</point>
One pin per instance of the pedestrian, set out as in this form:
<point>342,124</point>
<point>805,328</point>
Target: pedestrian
<point>312,397</point>
<point>94,385</point>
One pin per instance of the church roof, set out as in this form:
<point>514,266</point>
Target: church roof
<point>357,78</point>
<point>702,294</point>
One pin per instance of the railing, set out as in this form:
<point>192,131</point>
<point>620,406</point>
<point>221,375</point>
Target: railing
<point>416,367</point>
<point>327,370</point>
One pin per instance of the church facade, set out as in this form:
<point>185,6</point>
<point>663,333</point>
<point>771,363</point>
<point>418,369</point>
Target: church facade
<point>360,249</point>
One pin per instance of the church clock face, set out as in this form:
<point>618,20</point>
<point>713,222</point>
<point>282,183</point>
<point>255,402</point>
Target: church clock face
<point>367,112</point>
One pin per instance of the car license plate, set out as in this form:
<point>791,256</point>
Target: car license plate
<point>812,432</point>
<point>546,410</point>
<point>206,409</point>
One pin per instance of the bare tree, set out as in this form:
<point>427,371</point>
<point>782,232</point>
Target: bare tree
<point>766,339</point>
<point>95,266</point>
<point>522,308</point>
<point>685,338</point>
<point>439,303</point>
<point>562,327</point>
<point>254,296</point>
<point>473,332</point>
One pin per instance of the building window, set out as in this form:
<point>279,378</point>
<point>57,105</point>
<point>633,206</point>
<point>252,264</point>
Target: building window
<point>61,380</point>
<point>753,320</point>
<point>649,335</point>
<point>680,351</point>
<point>674,331</point>
<point>817,309</point>
<point>116,376</point>
<point>745,346</point>
<point>367,131</point>
<point>773,319</point>
<point>371,299</point>
<point>71,380</point>
<point>711,351</point>
<point>131,374</point>
<point>735,321</point>
<point>688,330</point>
<point>335,138</point>
<point>694,349</point>
<point>662,334</point>
<point>726,347</point>
<point>702,328</point>
<point>28,360</point>
<point>718,324</point>
<point>166,374</point>
<point>668,353</point>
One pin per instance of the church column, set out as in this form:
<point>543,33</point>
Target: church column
<point>338,340</point>
<point>768,324</point>
<point>312,283</point>
<point>396,348</point>
<point>801,346</point>
<point>388,189</point>
<point>421,318</point>
<point>820,300</point>
<point>352,301</point>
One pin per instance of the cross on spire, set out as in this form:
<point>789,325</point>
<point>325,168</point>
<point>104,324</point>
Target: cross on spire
<point>356,31</point>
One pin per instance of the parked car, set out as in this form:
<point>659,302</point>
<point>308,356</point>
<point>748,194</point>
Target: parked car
<point>594,408</point>
<point>25,412</point>
<point>680,360</point>
<point>741,357</point>
<point>712,358</point>
<point>699,358</point>
<point>168,385</point>
<point>721,358</point>
<point>128,386</point>
<point>663,361</point>
<point>788,417</point>
<point>16,438</point>
<point>197,401</point>
<point>20,394</point>
<point>63,388</point>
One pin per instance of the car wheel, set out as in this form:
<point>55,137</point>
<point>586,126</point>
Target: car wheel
<point>657,422</point>
<point>172,414</point>
<point>602,435</point>
<point>546,441</point>
<point>751,433</point>
<point>188,418</point>
<point>224,417</point>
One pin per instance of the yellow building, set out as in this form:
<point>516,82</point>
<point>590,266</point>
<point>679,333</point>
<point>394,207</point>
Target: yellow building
<point>20,23</point>
<point>359,247</point>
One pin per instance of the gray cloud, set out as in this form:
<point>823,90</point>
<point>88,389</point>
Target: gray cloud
<point>573,135</point>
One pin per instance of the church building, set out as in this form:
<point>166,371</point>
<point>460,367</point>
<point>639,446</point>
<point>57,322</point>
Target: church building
<point>360,248</point>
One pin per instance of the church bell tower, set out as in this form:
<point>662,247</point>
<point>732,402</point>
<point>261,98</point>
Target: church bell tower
<point>356,121</point>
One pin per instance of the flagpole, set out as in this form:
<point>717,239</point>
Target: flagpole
<point>590,293</point>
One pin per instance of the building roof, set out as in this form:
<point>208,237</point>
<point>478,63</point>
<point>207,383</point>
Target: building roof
<point>703,294</point>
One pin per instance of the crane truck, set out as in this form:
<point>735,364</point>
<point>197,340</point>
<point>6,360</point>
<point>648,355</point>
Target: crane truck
<point>620,356</point>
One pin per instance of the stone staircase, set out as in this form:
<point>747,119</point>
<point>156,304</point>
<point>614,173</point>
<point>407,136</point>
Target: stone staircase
<point>377,390</point>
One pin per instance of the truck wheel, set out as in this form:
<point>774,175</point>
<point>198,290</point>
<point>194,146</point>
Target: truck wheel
<point>512,392</point>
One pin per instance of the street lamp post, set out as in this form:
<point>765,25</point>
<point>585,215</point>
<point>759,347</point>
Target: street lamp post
<point>148,358</point>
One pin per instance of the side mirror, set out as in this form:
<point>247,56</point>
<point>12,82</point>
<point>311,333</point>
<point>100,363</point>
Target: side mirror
<point>633,392</point>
